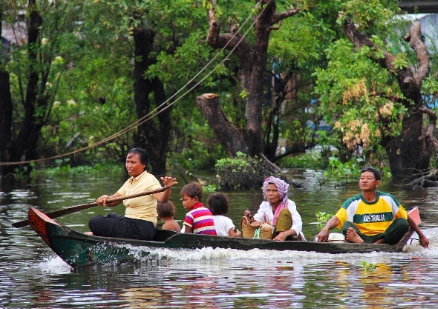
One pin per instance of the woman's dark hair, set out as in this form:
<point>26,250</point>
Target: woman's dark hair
<point>218,203</point>
<point>192,189</point>
<point>372,170</point>
<point>166,210</point>
<point>142,154</point>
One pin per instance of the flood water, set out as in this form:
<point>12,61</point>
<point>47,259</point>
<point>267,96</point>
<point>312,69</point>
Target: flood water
<point>32,276</point>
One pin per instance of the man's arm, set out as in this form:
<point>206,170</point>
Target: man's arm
<point>423,239</point>
<point>331,224</point>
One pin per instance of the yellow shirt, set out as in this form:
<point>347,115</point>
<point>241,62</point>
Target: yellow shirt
<point>142,207</point>
<point>371,218</point>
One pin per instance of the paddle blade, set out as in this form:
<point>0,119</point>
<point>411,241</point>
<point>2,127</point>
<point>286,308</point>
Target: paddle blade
<point>20,223</point>
<point>414,213</point>
<point>58,213</point>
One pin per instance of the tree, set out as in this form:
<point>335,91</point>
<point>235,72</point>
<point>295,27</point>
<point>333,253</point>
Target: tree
<point>252,61</point>
<point>228,135</point>
<point>5,101</point>
<point>100,40</point>
<point>154,136</point>
<point>127,31</point>
<point>374,83</point>
<point>158,33</point>
<point>281,101</point>
<point>27,109</point>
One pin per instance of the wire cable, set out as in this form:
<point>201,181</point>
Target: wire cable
<point>158,109</point>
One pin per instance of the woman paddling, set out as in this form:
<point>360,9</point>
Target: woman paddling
<point>279,210</point>
<point>140,218</point>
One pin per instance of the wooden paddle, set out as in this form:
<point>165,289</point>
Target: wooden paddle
<point>72,209</point>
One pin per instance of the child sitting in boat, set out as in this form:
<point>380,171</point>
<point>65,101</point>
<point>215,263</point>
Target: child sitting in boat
<point>199,219</point>
<point>166,212</point>
<point>218,205</point>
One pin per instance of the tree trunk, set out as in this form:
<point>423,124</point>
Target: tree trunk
<point>5,106</point>
<point>404,152</point>
<point>409,153</point>
<point>5,120</point>
<point>154,137</point>
<point>252,61</point>
<point>25,144</point>
<point>230,138</point>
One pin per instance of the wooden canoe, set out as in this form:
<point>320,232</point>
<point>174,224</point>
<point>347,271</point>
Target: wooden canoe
<point>78,249</point>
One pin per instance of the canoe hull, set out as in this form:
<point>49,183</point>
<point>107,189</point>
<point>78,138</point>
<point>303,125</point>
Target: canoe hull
<point>78,249</point>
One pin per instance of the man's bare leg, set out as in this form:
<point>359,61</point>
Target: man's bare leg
<point>379,241</point>
<point>352,236</point>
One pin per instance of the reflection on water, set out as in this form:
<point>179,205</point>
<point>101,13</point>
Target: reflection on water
<point>255,279</point>
<point>31,275</point>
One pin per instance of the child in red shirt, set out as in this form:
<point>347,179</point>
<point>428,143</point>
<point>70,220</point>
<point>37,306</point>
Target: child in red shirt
<point>199,219</point>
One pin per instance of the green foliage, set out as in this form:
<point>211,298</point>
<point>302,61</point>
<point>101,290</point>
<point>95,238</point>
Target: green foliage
<point>401,62</point>
<point>430,86</point>
<point>85,49</point>
<point>305,160</point>
<point>368,267</point>
<point>65,170</point>
<point>243,94</point>
<point>322,217</point>
<point>210,188</point>
<point>243,172</point>
<point>293,61</point>
<point>194,146</point>
<point>363,99</point>
<point>354,91</point>
<point>306,48</point>
<point>21,172</point>
<point>347,170</point>
<point>45,69</point>
<point>369,16</point>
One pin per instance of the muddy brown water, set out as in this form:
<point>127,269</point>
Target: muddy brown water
<point>32,276</point>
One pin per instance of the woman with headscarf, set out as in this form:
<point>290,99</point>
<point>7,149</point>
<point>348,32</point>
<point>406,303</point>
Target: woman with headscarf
<point>279,210</point>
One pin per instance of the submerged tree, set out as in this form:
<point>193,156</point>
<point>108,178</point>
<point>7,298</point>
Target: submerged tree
<point>252,61</point>
<point>106,51</point>
<point>29,76</point>
<point>375,88</point>
<point>163,38</point>
<point>272,57</point>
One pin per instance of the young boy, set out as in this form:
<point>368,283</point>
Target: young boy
<point>218,205</point>
<point>199,219</point>
<point>166,212</point>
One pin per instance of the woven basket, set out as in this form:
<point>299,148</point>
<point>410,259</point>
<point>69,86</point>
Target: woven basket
<point>266,231</point>
<point>247,229</point>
